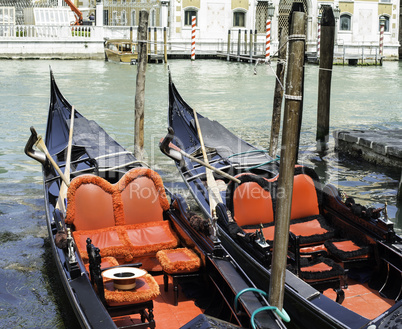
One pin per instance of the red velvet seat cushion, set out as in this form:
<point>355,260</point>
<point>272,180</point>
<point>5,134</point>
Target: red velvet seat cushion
<point>320,269</point>
<point>128,241</point>
<point>310,230</point>
<point>110,241</point>
<point>180,260</point>
<point>347,249</point>
<point>148,238</point>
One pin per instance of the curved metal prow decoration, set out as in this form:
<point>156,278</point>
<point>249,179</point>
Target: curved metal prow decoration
<point>168,148</point>
<point>37,155</point>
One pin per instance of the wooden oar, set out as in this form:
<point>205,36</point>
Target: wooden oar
<point>63,188</point>
<point>40,144</point>
<point>213,189</point>
<point>176,154</point>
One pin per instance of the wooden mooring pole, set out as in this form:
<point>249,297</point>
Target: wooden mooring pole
<point>291,121</point>
<point>228,50</point>
<point>324,78</point>
<point>149,41</point>
<point>399,194</point>
<point>251,46</point>
<point>238,45</point>
<point>278,94</point>
<point>140,86</point>
<point>155,41</point>
<point>245,41</point>
<point>165,45</point>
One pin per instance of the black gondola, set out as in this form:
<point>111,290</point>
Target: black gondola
<point>341,254</point>
<point>120,225</point>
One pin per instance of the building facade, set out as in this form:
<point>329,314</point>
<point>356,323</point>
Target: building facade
<point>357,24</point>
<point>219,21</point>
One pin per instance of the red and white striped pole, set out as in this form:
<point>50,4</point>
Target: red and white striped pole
<point>382,24</point>
<point>193,20</point>
<point>319,37</point>
<point>268,41</point>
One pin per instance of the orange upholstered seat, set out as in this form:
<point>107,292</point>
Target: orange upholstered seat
<point>305,219</point>
<point>347,249</point>
<point>180,260</point>
<point>180,264</point>
<point>304,197</point>
<point>143,196</point>
<point>146,289</point>
<point>110,241</point>
<point>320,269</point>
<point>137,300</point>
<point>90,201</point>
<point>252,205</point>
<point>124,220</point>
<point>150,237</point>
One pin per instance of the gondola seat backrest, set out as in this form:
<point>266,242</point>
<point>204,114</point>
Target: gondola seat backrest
<point>306,222</point>
<point>143,196</point>
<point>304,197</point>
<point>252,201</point>
<point>90,201</point>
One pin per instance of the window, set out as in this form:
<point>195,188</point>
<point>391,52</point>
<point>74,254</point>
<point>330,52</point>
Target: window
<point>133,18</point>
<point>386,25</point>
<point>239,19</point>
<point>345,23</point>
<point>152,17</point>
<point>114,18</point>
<point>188,14</point>
<point>123,18</point>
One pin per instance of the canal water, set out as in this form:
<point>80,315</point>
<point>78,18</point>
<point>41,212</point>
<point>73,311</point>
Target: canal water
<point>31,294</point>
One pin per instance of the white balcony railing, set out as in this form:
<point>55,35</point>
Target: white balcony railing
<point>64,33</point>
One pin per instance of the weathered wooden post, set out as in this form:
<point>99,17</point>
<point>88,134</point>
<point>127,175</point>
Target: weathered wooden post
<point>228,50</point>
<point>324,77</point>
<point>238,45</point>
<point>399,195</point>
<point>291,121</point>
<point>140,86</point>
<point>149,41</point>
<point>251,45</point>
<point>245,42</point>
<point>278,94</point>
<point>255,42</point>
<point>155,41</point>
<point>165,44</point>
